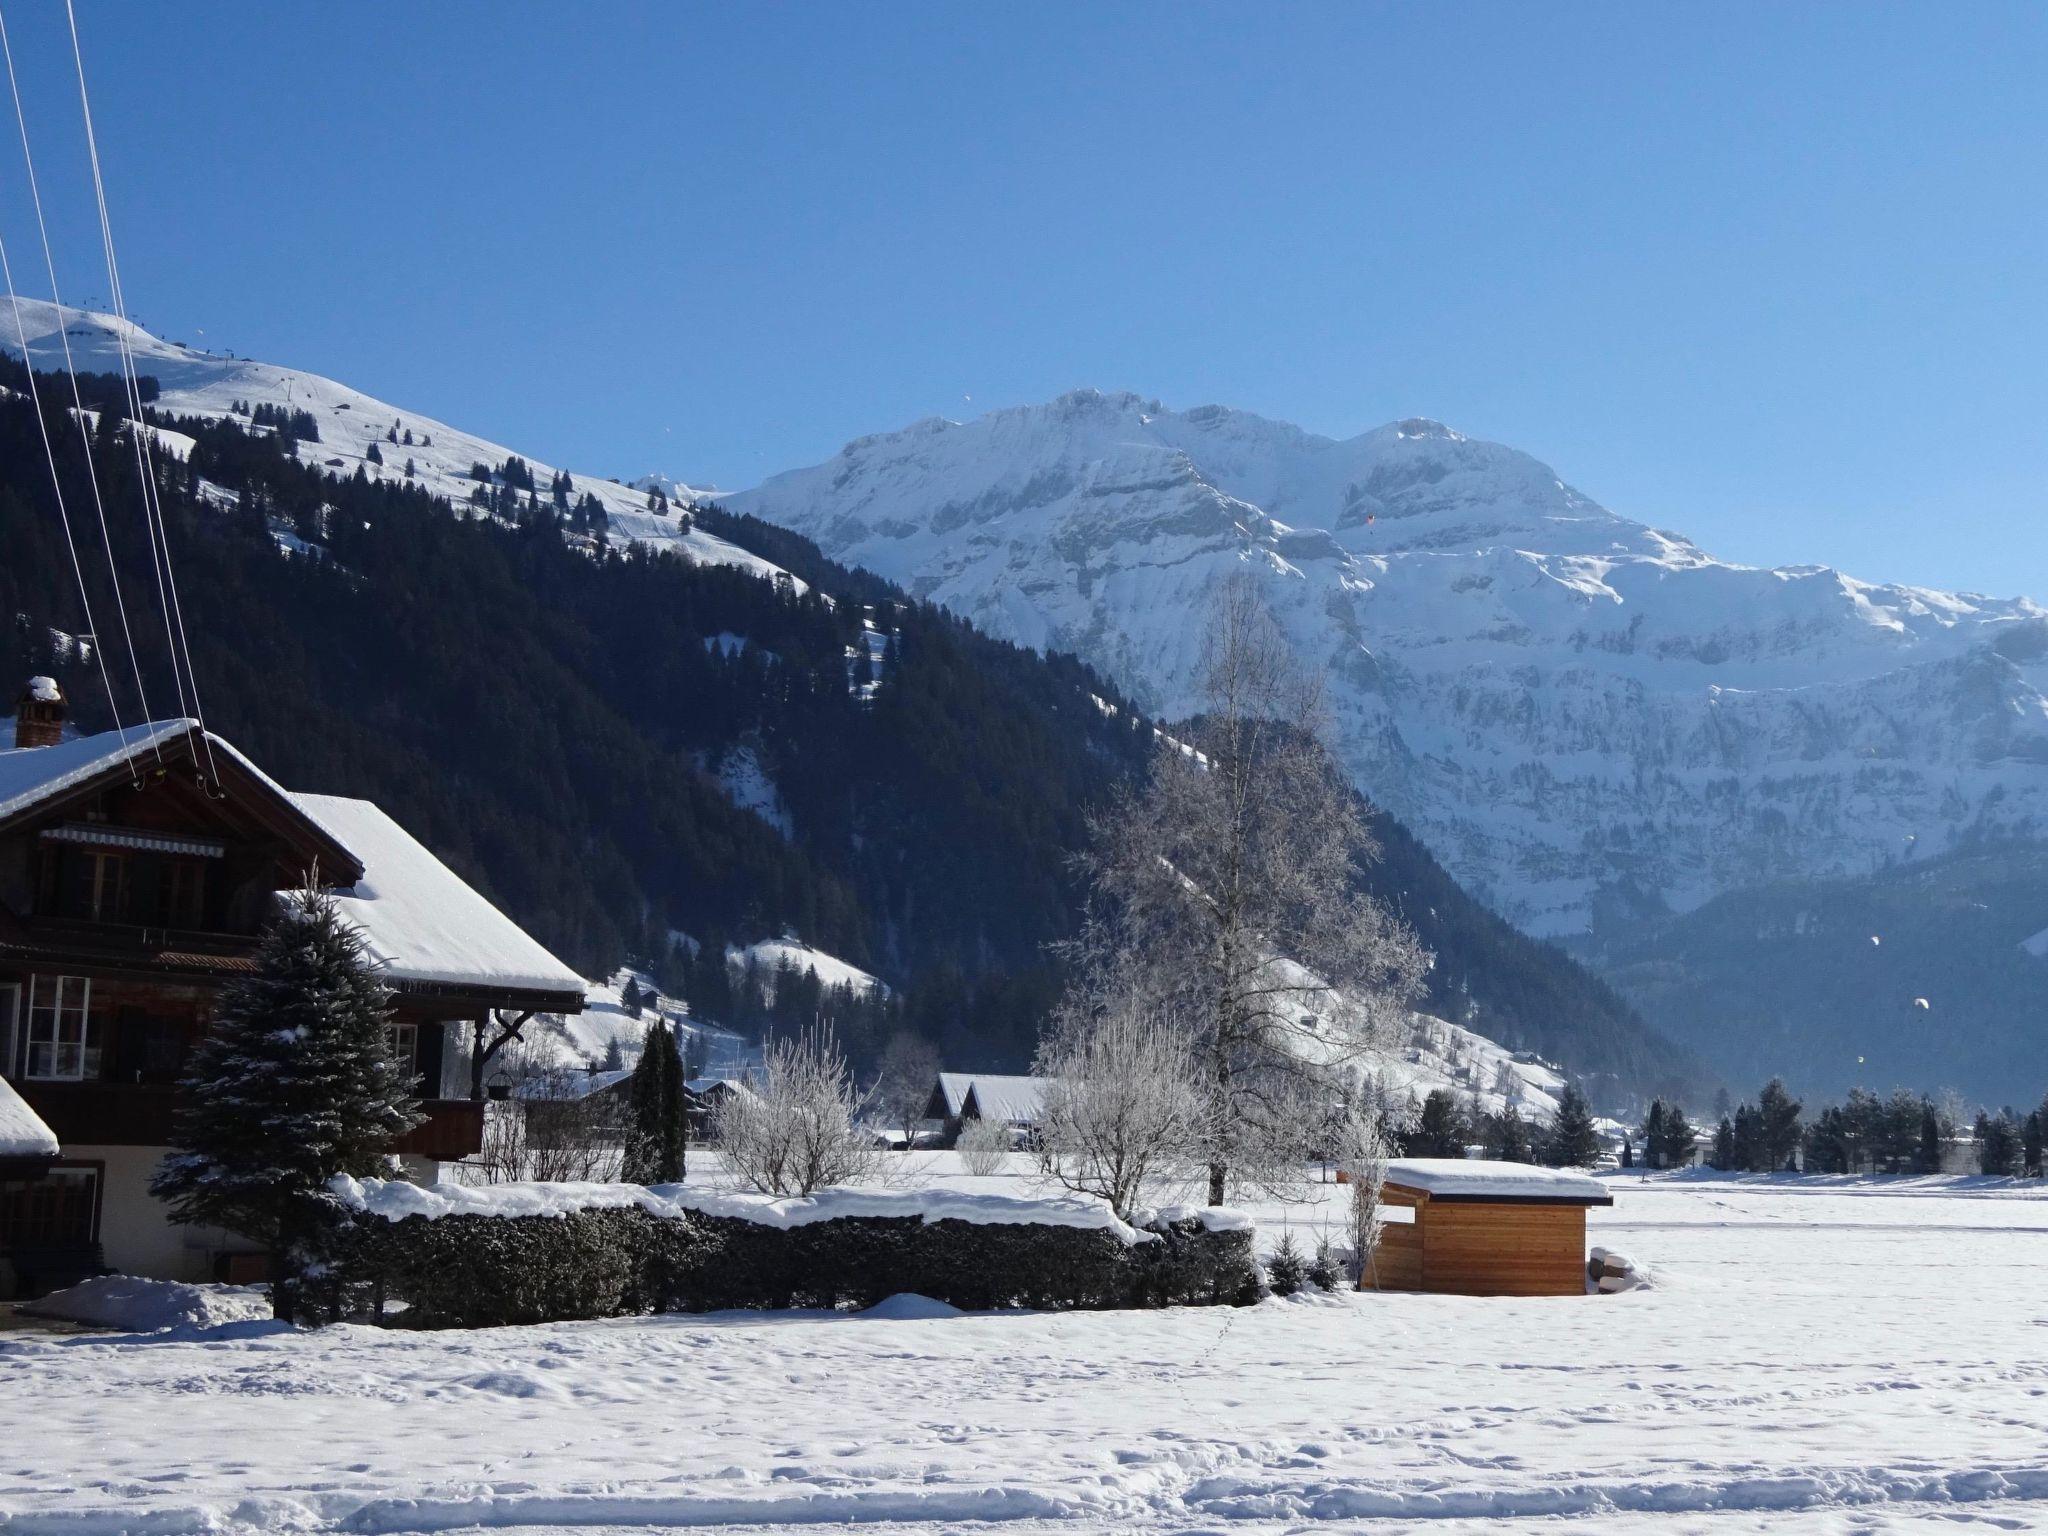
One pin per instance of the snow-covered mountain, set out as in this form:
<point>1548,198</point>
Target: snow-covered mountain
<point>351,423</point>
<point>1581,715</point>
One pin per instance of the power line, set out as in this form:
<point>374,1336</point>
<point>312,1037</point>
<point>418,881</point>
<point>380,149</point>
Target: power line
<point>71,369</point>
<point>143,434</point>
<point>35,396</point>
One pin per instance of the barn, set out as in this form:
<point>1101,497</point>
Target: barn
<point>1471,1227</point>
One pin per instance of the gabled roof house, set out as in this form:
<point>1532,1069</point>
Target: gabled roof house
<point>137,869</point>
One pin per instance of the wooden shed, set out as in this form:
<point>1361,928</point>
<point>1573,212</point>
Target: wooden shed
<point>1477,1228</point>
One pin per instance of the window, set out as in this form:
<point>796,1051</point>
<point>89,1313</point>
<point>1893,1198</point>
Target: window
<point>94,885</point>
<point>402,1045</point>
<point>54,1211</point>
<point>64,1039</point>
<point>181,900</point>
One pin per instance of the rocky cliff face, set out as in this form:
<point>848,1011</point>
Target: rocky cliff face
<point>1584,717</point>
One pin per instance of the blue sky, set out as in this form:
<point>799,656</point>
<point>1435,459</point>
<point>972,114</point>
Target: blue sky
<point>1773,276</point>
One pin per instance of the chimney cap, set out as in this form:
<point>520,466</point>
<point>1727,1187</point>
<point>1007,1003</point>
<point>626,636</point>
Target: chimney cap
<point>42,690</point>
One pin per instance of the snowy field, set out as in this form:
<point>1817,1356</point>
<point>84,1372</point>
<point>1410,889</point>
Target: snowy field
<point>1824,1355</point>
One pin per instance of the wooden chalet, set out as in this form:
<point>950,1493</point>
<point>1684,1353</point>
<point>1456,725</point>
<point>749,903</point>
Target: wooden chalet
<point>137,870</point>
<point>1479,1228</point>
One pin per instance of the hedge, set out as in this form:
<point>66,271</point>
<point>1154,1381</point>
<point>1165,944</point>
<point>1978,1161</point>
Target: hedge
<point>471,1271</point>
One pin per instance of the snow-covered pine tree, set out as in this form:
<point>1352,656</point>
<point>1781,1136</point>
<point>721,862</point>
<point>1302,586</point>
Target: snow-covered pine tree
<point>1507,1137</point>
<point>293,1084</point>
<point>655,1142</point>
<point>1572,1141</point>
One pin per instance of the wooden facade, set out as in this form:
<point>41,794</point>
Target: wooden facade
<point>130,894</point>
<point>1483,1244</point>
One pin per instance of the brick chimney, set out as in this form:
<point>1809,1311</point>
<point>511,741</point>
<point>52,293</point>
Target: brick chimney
<point>39,714</point>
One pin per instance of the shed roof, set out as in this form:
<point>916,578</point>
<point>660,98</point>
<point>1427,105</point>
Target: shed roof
<point>423,922</point>
<point>1484,1180</point>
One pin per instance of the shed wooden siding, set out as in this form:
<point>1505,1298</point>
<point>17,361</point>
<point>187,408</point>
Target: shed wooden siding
<point>1504,1250</point>
<point>1474,1247</point>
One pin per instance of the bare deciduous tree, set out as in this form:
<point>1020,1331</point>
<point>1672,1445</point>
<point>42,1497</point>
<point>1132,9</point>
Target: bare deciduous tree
<point>1364,1156</point>
<point>1226,897</point>
<point>903,1083</point>
<point>554,1130</point>
<point>796,1132</point>
<point>984,1146</point>
<point>1122,1114</point>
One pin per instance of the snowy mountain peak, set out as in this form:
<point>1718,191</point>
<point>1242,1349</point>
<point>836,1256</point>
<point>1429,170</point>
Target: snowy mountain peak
<point>1580,713</point>
<point>351,424</point>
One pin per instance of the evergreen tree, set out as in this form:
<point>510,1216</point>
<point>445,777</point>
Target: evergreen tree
<point>1628,1152</point>
<point>1572,1142</point>
<point>1777,1126</point>
<point>375,455</point>
<point>1507,1137</point>
<point>1653,1135</point>
<point>1724,1145</point>
<point>630,997</point>
<point>1679,1137</point>
<point>292,1085</point>
<point>655,1141</point>
<point>1929,1160</point>
<point>1439,1130</point>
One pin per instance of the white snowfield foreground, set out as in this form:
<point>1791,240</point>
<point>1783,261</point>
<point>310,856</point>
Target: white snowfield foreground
<point>1831,1355</point>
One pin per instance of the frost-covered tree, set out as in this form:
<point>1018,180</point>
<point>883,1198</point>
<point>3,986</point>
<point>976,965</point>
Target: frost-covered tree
<point>293,1084</point>
<point>1363,1156</point>
<point>1123,1112</point>
<point>984,1146</point>
<point>656,1139</point>
<point>902,1089</point>
<point>797,1130</point>
<point>1226,896</point>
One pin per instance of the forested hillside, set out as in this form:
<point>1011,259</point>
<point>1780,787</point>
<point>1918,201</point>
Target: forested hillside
<point>625,748</point>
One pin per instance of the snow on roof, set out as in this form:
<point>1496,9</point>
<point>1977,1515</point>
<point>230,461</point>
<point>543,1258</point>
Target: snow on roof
<point>569,1085</point>
<point>420,920</point>
<point>1017,1100</point>
<point>1484,1179</point>
<point>32,774</point>
<point>44,690</point>
<point>22,1132</point>
<point>952,1091</point>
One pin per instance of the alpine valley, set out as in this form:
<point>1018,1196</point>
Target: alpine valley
<point>1716,784</point>
<point>661,733</point>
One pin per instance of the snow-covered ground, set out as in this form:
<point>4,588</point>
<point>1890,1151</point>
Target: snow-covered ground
<point>1814,1355</point>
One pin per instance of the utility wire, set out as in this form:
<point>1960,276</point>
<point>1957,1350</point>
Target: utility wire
<point>144,436</point>
<point>71,369</point>
<point>35,396</point>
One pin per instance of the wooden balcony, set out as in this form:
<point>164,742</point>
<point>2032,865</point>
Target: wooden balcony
<point>141,1115</point>
<point>453,1130</point>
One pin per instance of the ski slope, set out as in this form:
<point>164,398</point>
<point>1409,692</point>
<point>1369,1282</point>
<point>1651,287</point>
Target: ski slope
<point>1825,1355</point>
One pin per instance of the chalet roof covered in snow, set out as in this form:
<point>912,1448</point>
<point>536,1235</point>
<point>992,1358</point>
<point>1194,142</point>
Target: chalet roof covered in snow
<point>988,1095</point>
<point>34,776</point>
<point>1481,1179</point>
<point>423,923</point>
<point>22,1132</point>
<point>1015,1100</point>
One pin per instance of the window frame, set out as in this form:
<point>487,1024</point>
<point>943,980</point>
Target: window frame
<point>89,1052</point>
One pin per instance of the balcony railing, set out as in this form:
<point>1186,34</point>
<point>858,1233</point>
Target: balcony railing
<point>142,1115</point>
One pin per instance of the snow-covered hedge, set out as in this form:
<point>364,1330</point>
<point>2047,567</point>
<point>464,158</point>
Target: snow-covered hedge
<point>459,1257</point>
